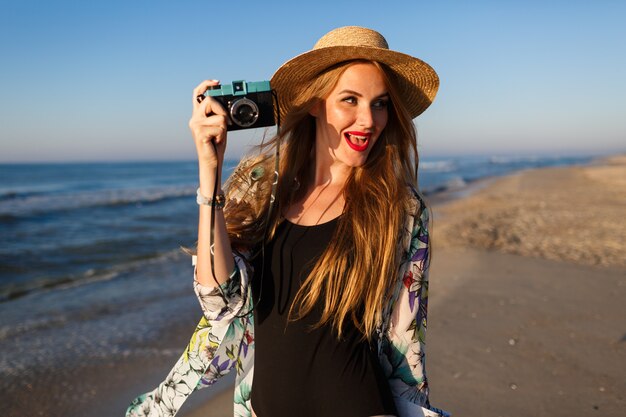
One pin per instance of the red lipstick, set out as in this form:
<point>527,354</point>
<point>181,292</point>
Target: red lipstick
<point>354,146</point>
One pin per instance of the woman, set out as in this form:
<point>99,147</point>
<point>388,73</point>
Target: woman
<point>315,279</point>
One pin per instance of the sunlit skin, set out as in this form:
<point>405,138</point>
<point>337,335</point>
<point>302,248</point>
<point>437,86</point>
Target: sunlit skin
<point>351,118</point>
<point>348,124</point>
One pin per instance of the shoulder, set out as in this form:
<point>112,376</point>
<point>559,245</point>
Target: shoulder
<point>415,226</point>
<point>414,197</point>
<point>417,209</point>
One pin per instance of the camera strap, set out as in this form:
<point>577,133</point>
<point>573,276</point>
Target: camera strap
<point>212,232</point>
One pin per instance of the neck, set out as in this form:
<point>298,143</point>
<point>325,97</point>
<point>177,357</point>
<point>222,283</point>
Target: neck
<point>328,171</point>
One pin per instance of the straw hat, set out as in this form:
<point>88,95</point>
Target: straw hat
<point>417,81</point>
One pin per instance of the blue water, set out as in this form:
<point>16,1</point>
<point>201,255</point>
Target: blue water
<point>441,174</point>
<point>66,224</point>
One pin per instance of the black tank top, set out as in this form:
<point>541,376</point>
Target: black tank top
<point>300,371</point>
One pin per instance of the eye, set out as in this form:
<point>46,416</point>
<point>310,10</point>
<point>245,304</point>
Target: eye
<point>382,103</point>
<point>349,99</point>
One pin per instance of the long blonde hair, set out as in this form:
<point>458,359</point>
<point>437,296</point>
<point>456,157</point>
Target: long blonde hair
<point>356,272</point>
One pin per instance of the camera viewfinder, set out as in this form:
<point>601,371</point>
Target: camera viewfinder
<point>239,87</point>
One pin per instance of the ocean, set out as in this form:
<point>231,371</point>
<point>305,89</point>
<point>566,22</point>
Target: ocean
<point>91,253</point>
<point>74,224</point>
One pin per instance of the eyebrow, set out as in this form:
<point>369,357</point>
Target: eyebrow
<point>361,95</point>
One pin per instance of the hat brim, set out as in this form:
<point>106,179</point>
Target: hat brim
<point>417,81</point>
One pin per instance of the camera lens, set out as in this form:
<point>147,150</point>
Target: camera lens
<point>244,112</point>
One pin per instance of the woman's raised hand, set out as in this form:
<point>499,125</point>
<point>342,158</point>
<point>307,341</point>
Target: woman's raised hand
<point>208,124</point>
<point>208,127</point>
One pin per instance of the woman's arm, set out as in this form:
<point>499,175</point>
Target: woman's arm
<point>407,332</point>
<point>208,128</point>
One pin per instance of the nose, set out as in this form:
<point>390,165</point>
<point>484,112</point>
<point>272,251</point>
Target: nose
<point>365,118</point>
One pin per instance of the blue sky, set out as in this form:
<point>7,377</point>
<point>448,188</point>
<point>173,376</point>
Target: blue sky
<point>87,81</point>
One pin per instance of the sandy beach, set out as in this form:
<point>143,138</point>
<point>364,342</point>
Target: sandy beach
<point>528,282</point>
<point>526,312</point>
<point>528,287</point>
<point>572,214</point>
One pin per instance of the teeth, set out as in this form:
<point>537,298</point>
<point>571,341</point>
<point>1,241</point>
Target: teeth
<point>359,138</point>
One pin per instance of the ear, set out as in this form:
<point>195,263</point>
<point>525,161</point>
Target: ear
<point>316,109</point>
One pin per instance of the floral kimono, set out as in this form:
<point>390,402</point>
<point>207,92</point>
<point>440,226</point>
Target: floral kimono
<point>224,337</point>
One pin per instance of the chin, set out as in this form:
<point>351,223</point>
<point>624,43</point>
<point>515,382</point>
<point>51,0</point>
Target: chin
<point>356,163</point>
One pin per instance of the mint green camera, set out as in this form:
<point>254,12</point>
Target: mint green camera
<point>249,104</point>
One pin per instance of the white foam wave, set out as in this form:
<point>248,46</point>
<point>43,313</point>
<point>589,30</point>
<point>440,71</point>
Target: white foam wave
<point>438,166</point>
<point>88,277</point>
<point>35,204</point>
<point>454,184</point>
<point>506,160</point>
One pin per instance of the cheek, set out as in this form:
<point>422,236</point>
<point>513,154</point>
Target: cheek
<point>381,120</point>
<point>337,118</point>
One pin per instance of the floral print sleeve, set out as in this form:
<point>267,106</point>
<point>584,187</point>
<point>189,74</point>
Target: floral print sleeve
<point>220,343</point>
<point>221,304</point>
<point>232,308</point>
<point>404,339</point>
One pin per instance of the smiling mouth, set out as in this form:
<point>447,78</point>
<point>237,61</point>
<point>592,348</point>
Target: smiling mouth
<point>358,141</point>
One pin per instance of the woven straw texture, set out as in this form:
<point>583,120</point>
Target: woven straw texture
<point>417,81</point>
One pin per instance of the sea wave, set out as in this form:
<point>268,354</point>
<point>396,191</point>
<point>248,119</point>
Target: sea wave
<point>28,204</point>
<point>13,291</point>
<point>9,195</point>
<point>511,160</point>
<point>127,288</point>
<point>455,183</point>
<point>438,166</point>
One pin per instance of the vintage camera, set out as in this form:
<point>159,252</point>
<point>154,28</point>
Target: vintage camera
<point>249,104</point>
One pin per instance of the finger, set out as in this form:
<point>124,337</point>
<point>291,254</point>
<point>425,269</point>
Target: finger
<point>201,89</point>
<point>211,133</point>
<point>211,121</point>
<point>199,121</point>
<point>210,106</point>
<point>215,120</point>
